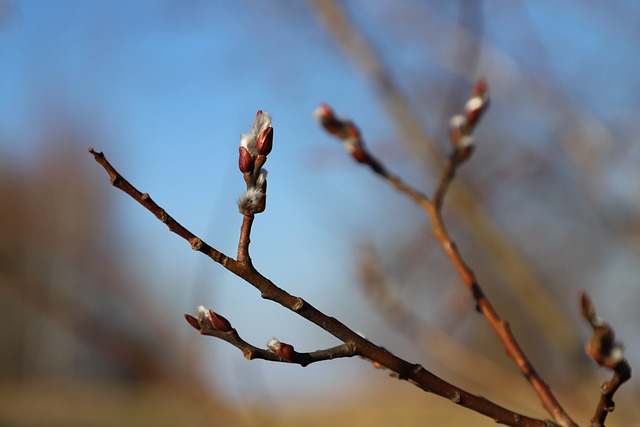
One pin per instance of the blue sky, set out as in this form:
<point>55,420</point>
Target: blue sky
<point>169,86</point>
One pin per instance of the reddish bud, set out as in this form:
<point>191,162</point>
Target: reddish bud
<point>245,161</point>
<point>282,349</point>
<point>352,131</point>
<point>480,88</point>
<point>359,155</point>
<point>219,322</point>
<point>285,351</point>
<point>265,141</point>
<point>192,321</point>
<point>323,112</point>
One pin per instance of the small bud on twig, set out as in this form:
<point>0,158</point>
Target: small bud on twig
<point>246,160</point>
<point>282,349</point>
<point>261,123</point>
<point>219,322</point>
<point>250,202</point>
<point>206,318</point>
<point>192,321</point>
<point>265,141</point>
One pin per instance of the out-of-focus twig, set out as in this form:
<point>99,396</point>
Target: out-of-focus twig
<point>606,352</point>
<point>461,127</point>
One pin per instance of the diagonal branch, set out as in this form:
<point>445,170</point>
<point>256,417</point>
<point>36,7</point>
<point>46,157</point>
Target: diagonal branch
<point>461,128</point>
<point>413,373</point>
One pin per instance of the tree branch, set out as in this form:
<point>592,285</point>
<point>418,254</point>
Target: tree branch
<point>461,127</point>
<point>210,323</point>
<point>413,373</point>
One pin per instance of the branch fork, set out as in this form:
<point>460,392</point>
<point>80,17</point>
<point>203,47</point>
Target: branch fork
<point>253,151</point>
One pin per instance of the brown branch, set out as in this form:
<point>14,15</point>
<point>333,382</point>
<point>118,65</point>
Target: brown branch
<point>606,352</point>
<point>243,243</point>
<point>413,373</point>
<point>460,132</point>
<point>282,353</point>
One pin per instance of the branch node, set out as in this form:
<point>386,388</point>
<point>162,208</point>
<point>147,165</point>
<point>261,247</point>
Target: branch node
<point>164,216</point>
<point>196,243</point>
<point>297,306</point>
<point>247,353</point>
<point>456,398</point>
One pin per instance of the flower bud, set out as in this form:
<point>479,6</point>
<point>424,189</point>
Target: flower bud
<point>322,112</point>
<point>245,160</point>
<point>251,201</point>
<point>282,349</point>
<point>218,322</point>
<point>265,141</point>
<point>192,321</point>
<point>262,121</point>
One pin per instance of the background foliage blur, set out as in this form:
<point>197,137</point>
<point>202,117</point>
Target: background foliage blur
<point>92,288</point>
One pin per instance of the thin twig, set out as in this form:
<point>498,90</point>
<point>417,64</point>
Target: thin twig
<point>413,373</point>
<point>245,240</point>
<point>606,352</point>
<point>252,352</point>
<point>460,134</point>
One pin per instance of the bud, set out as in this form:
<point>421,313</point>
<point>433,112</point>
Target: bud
<point>478,102</point>
<point>480,89</point>
<point>474,108</point>
<point>250,201</point>
<point>218,322</point>
<point>273,344</point>
<point>282,349</point>
<point>464,147</point>
<point>354,147</point>
<point>245,160</point>
<point>201,313</point>
<point>192,321</point>
<point>265,141</point>
<point>322,112</point>
<point>262,121</point>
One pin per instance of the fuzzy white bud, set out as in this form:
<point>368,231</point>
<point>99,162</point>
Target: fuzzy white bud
<point>262,122</point>
<point>474,104</point>
<point>249,201</point>
<point>457,122</point>
<point>616,354</point>
<point>351,144</point>
<point>248,141</point>
<point>321,112</point>
<point>201,313</point>
<point>274,344</point>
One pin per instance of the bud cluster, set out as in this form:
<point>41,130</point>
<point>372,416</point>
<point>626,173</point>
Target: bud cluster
<point>254,148</point>
<point>345,130</point>
<point>461,125</point>
<point>208,319</point>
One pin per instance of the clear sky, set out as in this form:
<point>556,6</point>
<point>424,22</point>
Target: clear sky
<point>169,86</point>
